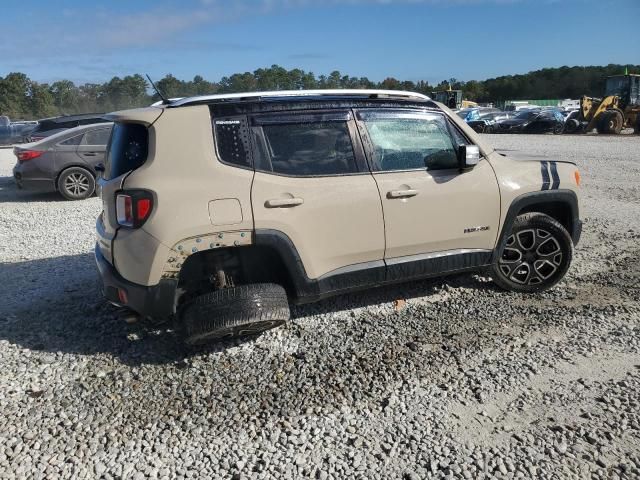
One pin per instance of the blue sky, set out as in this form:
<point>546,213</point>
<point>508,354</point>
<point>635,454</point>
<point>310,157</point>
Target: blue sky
<point>94,40</point>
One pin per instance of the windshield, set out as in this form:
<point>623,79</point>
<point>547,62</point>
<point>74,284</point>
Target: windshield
<point>618,86</point>
<point>526,115</point>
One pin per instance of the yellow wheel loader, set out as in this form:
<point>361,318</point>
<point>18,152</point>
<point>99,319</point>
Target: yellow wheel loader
<point>620,108</point>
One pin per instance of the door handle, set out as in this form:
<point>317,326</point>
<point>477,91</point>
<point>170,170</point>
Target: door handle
<point>283,202</point>
<point>402,193</point>
<point>89,154</point>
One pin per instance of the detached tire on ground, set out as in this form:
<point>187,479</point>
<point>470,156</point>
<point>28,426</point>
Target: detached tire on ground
<point>234,312</point>
<point>536,256</point>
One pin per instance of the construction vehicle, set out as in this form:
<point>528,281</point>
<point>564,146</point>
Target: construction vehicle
<point>620,108</point>
<point>451,98</point>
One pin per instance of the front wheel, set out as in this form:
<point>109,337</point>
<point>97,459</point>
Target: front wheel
<point>610,122</point>
<point>76,183</point>
<point>536,256</point>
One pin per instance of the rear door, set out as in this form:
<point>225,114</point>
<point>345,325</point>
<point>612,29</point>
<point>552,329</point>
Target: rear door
<point>312,184</point>
<point>93,145</point>
<point>66,152</point>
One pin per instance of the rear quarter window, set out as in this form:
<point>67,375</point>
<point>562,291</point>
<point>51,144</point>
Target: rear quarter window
<point>232,141</point>
<point>127,149</point>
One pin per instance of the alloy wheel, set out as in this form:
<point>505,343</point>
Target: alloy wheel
<point>76,184</point>
<point>531,257</point>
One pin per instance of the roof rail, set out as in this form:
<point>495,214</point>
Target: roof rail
<point>299,93</point>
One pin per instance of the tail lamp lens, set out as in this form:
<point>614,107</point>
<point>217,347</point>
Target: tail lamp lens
<point>24,155</point>
<point>133,208</point>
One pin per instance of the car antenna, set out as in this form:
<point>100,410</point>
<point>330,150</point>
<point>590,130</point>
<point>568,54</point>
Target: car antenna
<point>164,99</point>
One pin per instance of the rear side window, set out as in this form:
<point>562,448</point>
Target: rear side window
<point>232,141</point>
<point>127,149</point>
<point>308,149</point>
<point>73,140</point>
<point>96,137</point>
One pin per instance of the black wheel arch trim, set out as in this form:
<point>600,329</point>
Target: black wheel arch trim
<point>562,196</point>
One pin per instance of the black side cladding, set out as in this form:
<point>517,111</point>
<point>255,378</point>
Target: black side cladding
<point>550,177</point>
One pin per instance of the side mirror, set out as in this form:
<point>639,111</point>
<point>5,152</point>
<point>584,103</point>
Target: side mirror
<point>468,157</point>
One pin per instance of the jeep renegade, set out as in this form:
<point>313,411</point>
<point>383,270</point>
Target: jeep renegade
<point>218,210</point>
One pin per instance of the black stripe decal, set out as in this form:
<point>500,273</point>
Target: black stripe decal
<point>555,176</point>
<point>545,176</point>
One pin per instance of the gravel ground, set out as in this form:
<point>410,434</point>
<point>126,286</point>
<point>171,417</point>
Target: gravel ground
<point>461,381</point>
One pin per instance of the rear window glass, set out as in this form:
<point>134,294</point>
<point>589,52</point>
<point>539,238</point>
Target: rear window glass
<point>127,149</point>
<point>322,148</point>
<point>73,140</point>
<point>97,137</point>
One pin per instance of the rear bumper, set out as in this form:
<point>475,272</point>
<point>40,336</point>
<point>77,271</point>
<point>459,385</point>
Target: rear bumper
<point>156,301</point>
<point>33,184</point>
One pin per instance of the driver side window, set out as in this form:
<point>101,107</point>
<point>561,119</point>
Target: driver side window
<point>410,141</point>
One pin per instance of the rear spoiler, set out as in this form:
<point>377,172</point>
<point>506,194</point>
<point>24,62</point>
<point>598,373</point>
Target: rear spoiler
<point>147,116</point>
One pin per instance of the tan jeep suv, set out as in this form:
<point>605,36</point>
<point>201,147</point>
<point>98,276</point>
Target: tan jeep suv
<point>219,210</point>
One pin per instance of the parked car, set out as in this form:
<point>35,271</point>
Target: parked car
<point>14,132</point>
<point>532,121</point>
<point>64,162</point>
<point>475,113</point>
<point>304,194</point>
<point>485,124</point>
<point>50,126</point>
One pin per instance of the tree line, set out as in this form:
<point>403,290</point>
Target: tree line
<point>23,98</point>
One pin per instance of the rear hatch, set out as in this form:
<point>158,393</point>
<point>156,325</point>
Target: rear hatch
<point>127,150</point>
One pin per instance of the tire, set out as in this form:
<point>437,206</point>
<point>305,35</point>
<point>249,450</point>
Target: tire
<point>234,312</point>
<point>571,125</point>
<point>76,183</point>
<point>536,256</point>
<point>610,122</point>
<point>636,128</point>
<point>558,128</point>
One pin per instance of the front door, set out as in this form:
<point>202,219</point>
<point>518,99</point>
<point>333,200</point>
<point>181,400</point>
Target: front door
<point>436,218</point>
<point>312,185</point>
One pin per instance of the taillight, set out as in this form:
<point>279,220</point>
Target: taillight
<point>24,155</point>
<point>133,207</point>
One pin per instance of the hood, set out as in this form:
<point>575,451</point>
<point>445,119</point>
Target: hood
<point>529,157</point>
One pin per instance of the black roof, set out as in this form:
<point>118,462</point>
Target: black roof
<point>68,118</point>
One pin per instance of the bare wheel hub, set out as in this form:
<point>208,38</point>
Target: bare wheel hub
<point>531,256</point>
